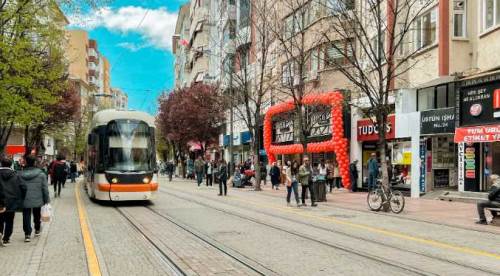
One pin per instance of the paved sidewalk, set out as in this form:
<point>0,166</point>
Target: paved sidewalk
<point>456,214</point>
<point>58,251</point>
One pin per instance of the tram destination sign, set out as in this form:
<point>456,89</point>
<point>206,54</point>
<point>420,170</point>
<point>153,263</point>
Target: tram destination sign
<point>437,121</point>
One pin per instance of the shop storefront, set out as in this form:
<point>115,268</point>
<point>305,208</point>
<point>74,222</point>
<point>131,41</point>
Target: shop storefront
<point>478,134</point>
<point>368,135</point>
<point>438,149</point>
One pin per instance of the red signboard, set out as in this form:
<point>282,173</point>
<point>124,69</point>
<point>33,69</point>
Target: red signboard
<point>13,150</point>
<point>477,134</point>
<point>367,131</point>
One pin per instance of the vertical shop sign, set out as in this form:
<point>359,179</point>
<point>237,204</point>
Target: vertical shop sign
<point>471,167</point>
<point>461,163</point>
<point>423,150</point>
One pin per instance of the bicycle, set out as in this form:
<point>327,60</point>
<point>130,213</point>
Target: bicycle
<point>381,196</point>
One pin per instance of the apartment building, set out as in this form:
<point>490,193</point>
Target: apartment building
<point>87,64</point>
<point>119,98</point>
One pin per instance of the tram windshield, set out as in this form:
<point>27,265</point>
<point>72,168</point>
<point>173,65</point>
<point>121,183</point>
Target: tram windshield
<point>130,146</point>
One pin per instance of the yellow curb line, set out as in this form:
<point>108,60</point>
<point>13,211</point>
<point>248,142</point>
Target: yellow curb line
<point>92,261</point>
<point>389,233</point>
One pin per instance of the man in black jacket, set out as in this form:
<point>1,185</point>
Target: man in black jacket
<point>493,200</point>
<point>10,191</point>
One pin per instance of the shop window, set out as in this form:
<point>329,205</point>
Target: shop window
<point>426,99</point>
<point>440,96</point>
<point>490,14</point>
<point>426,29</point>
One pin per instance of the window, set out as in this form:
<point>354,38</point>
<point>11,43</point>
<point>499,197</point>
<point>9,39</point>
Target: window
<point>440,96</point>
<point>334,54</point>
<point>490,14</point>
<point>287,72</point>
<point>426,28</point>
<point>426,99</point>
<point>459,18</point>
<point>244,57</point>
<point>229,31</point>
<point>244,13</point>
<point>378,45</point>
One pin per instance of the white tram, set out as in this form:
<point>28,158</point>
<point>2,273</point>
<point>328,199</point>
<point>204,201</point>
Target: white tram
<point>121,156</point>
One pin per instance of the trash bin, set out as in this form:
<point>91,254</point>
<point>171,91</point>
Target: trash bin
<point>319,189</point>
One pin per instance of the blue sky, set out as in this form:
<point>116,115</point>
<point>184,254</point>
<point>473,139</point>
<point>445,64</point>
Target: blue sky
<point>136,38</point>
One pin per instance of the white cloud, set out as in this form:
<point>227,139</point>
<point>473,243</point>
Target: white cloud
<point>157,28</point>
<point>133,47</point>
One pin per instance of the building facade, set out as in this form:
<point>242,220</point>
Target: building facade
<point>443,127</point>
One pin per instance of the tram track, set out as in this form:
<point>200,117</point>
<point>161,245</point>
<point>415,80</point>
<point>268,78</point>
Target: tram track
<point>251,265</point>
<point>389,262</point>
<point>172,265</point>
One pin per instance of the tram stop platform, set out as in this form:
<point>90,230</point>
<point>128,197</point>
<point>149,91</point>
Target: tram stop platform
<point>57,251</point>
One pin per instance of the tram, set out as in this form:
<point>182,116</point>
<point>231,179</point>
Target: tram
<point>121,156</point>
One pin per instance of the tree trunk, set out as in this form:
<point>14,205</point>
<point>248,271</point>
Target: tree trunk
<point>4,137</point>
<point>255,150</point>
<point>383,154</point>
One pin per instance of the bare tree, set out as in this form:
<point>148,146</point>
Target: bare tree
<point>375,39</point>
<point>297,45</point>
<point>247,74</point>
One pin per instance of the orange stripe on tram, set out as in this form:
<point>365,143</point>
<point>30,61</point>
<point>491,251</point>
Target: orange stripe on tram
<point>106,187</point>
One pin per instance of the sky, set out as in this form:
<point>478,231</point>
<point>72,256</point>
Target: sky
<point>136,37</point>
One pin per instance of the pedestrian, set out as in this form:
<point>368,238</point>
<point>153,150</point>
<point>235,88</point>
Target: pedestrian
<point>291,183</point>
<point>73,170</point>
<point>275,174</point>
<point>199,168</point>
<point>34,182</point>
<point>263,173</point>
<point>372,171</point>
<point>209,173</point>
<point>215,171</point>
<point>305,174</point>
<point>223,173</point>
<point>492,202</point>
<point>322,172</point>
<point>58,174</point>
<point>353,171</point>
<point>336,175</point>
<point>170,169</point>
<point>190,168</point>
<point>11,199</point>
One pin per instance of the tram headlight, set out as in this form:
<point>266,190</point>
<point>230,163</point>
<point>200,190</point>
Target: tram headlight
<point>114,180</point>
<point>146,180</point>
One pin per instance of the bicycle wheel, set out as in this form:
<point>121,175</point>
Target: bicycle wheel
<point>374,199</point>
<point>397,202</point>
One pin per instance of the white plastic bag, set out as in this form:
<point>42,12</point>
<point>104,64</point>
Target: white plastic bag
<point>46,212</point>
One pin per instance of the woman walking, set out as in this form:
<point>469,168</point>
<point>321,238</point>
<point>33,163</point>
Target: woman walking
<point>223,177</point>
<point>291,172</point>
<point>34,182</point>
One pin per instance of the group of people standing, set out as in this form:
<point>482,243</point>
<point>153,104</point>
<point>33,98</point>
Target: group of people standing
<point>293,173</point>
<point>23,191</point>
<point>210,171</point>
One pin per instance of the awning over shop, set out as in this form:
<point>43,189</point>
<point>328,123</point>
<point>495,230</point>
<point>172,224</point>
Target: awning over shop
<point>478,134</point>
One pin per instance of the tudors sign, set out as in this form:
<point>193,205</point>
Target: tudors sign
<point>437,121</point>
<point>367,131</point>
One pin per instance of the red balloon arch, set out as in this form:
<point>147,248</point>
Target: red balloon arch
<point>337,144</point>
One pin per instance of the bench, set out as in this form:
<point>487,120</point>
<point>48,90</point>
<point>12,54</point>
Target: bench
<point>496,220</point>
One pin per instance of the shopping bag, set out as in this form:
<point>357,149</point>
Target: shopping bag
<point>46,212</point>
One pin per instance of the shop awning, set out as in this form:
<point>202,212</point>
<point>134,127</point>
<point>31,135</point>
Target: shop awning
<point>478,134</point>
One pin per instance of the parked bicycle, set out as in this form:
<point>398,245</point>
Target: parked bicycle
<point>381,196</point>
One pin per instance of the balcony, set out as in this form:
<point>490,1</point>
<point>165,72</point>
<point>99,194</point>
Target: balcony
<point>92,53</point>
<point>93,80</point>
<point>93,73</point>
<point>93,66</point>
<point>94,59</point>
